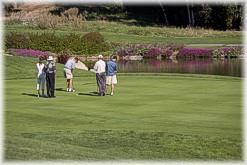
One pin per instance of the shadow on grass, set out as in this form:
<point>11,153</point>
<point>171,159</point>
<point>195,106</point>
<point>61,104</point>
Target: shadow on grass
<point>89,83</point>
<point>89,94</point>
<point>29,94</point>
<point>34,95</point>
<point>60,89</point>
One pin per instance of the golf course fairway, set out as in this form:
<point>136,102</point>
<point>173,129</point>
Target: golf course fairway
<point>151,117</point>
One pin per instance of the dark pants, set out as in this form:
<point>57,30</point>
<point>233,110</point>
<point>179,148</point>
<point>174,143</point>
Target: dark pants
<point>50,84</point>
<point>101,83</point>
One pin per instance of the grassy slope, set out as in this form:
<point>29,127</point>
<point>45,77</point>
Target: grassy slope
<point>165,117</point>
<point>121,33</point>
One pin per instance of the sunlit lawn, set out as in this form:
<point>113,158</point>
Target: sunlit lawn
<point>166,117</point>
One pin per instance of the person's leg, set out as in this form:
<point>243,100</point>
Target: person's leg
<point>65,76</point>
<point>106,88</point>
<point>107,83</point>
<point>70,76</point>
<point>112,89</point>
<point>99,82</point>
<point>38,86</point>
<point>67,85</point>
<point>43,85</point>
<point>103,84</point>
<point>70,83</point>
<point>48,85</point>
<point>52,85</point>
<point>71,89</point>
<point>113,82</point>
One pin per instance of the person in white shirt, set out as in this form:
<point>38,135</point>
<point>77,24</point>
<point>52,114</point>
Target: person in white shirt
<point>99,68</point>
<point>41,78</point>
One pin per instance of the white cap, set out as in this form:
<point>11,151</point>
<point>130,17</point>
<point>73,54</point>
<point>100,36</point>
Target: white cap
<point>50,58</point>
<point>100,56</point>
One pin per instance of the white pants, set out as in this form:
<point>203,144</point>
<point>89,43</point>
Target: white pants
<point>41,79</point>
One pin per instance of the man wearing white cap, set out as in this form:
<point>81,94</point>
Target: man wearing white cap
<point>99,67</point>
<point>50,70</point>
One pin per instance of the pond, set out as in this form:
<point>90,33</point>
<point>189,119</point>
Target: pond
<point>225,67</point>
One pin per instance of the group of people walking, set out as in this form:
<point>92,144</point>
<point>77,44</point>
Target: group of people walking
<point>105,75</point>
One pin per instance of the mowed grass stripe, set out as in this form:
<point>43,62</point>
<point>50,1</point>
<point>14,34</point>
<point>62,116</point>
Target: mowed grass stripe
<point>100,145</point>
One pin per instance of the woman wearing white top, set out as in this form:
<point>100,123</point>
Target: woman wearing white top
<point>41,78</point>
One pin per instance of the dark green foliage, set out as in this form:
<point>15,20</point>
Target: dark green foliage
<point>63,57</point>
<point>93,37</point>
<point>94,42</point>
<point>90,43</point>
<point>45,42</point>
<point>17,41</point>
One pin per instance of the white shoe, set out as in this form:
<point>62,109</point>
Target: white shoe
<point>112,94</point>
<point>72,90</point>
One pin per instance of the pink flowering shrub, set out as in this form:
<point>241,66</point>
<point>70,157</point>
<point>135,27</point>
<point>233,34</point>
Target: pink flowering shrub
<point>207,52</point>
<point>147,50</point>
<point>30,53</point>
<point>153,52</point>
<point>166,53</point>
<point>195,52</point>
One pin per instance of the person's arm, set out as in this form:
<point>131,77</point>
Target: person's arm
<point>116,68</point>
<point>72,66</point>
<point>54,68</point>
<point>95,66</point>
<point>106,67</point>
<point>45,68</point>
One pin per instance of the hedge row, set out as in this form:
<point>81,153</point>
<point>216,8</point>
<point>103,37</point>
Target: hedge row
<point>90,43</point>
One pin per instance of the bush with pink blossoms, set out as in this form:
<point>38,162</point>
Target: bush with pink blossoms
<point>146,49</point>
<point>153,52</point>
<point>195,52</point>
<point>30,53</point>
<point>166,53</point>
<point>210,52</point>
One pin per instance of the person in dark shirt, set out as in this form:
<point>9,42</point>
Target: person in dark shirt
<point>111,77</point>
<point>50,70</point>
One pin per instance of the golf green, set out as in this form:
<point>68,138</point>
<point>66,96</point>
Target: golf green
<point>150,117</point>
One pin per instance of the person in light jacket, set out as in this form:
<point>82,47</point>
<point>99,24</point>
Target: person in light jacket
<point>99,68</point>
<point>68,73</point>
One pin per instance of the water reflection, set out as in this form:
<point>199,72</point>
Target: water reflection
<point>226,67</point>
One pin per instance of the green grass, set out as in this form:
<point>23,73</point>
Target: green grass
<point>117,32</point>
<point>151,117</point>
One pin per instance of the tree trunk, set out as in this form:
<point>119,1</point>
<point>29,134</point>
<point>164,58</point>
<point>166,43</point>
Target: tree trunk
<point>164,13</point>
<point>189,17</point>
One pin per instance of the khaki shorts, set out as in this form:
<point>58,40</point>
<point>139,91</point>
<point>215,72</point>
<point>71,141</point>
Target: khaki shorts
<point>111,80</point>
<point>67,73</point>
